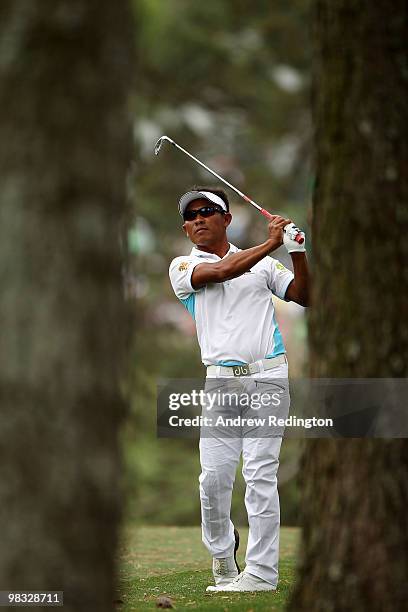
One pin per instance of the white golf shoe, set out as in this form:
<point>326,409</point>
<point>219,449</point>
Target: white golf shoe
<point>225,570</point>
<point>246,582</point>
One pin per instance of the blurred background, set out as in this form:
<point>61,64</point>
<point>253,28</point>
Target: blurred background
<point>230,82</point>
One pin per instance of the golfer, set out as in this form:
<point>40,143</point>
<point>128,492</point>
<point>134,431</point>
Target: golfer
<point>228,292</point>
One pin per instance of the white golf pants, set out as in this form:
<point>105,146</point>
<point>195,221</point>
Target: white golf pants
<point>219,456</point>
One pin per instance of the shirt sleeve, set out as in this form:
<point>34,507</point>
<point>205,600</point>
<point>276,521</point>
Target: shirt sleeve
<point>180,271</point>
<point>279,278</point>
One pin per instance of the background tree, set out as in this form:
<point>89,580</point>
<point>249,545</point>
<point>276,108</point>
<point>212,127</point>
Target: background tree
<point>355,540</point>
<point>65,70</point>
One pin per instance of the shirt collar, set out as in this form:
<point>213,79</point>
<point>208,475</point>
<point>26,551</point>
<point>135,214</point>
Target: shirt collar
<point>197,253</point>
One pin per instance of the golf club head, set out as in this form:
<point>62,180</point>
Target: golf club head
<point>159,144</point>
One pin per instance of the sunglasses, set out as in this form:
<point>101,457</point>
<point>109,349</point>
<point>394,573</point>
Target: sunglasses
<point>204,211</point>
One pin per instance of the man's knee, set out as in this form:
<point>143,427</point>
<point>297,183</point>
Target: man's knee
<point>217,480</point>
<point>261,470</point>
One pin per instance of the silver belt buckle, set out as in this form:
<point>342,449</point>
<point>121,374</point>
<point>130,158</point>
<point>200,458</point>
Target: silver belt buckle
<point>241,370</point>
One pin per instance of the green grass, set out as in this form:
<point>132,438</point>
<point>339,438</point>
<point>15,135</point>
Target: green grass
<point>172,561</point>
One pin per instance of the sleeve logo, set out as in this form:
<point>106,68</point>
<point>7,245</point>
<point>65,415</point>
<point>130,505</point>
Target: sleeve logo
<point>183,266</point>
<point>280,266</point>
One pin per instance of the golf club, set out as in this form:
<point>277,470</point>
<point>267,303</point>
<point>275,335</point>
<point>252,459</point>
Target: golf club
<point>297,237</point>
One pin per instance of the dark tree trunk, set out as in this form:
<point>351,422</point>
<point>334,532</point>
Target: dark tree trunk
<point>65,69</point>
<point>354,553</point>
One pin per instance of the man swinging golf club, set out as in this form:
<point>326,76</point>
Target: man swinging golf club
<point>228,292</point>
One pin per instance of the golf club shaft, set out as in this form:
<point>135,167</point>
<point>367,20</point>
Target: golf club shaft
<point>265,213</point>
<point>246,198</point>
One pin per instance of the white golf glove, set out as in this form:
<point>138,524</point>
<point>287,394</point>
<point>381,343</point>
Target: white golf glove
<point>289,233</point>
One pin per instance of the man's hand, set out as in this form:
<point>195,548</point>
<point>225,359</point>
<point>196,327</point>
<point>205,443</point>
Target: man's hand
<point>275,230</point>
<point>290,243</point>
<point>298,289</point>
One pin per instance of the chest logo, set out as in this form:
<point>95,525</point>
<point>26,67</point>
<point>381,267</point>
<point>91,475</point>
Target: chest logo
<point>183,266</point>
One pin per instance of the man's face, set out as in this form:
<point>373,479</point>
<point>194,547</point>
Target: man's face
<point>206,231</point>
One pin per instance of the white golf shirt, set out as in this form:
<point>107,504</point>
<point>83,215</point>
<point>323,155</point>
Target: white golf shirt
<point>235,320</point>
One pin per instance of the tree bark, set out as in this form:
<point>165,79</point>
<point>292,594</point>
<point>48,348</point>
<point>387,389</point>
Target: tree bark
<point>354,553</point>
<point>65,71</point>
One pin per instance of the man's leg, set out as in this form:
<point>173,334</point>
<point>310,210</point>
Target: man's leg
<point>261,461</point>
<point>261,448</point>
<point>219,459</point>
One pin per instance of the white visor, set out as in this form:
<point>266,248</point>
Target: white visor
<point>190,196</point>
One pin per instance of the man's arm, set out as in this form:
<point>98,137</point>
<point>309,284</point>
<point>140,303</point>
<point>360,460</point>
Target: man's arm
<point>298,289</point>
<point>241,262</point>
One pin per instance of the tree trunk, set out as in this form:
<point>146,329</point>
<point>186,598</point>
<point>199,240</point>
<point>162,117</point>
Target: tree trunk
<point>65,68</point>
<point>354,554</point>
